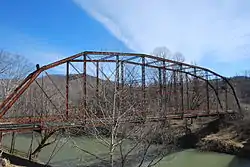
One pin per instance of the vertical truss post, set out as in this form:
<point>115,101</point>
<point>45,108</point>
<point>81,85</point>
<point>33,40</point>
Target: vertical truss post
<point>226,97</point>
<point>31,146</point>
<point>85,84</point>
<point>207,92</point>
<point>182,91</point>
<point>195,88</point>
<point>143,85</point>
<point>67,90</point>
<point>42,112</point>
<point>175,93</point>
<point>42,85</point>
<point>1,139</point>
<point>217,90</point>
<point>170,91</point>
<point>164,86</point>
<point>13,139</point>
<point>131,82</point>
<point>122,74</point>
<point>160,87</point>
<point>30,99</point>
<point>117,76</point>
<point>122,85</point>
<point>195,73</point>
<point>97,88</point>
<point>97,80</point>
<point>187,90</point>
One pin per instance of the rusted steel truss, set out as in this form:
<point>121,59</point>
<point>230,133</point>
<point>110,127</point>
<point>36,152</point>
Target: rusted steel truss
<point>135,85</point>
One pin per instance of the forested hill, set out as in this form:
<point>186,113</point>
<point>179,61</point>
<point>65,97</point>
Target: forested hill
<point>240,83</point>
<point>242,87</point>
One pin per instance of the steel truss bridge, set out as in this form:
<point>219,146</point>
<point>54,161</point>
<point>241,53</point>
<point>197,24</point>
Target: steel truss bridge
<point>101,88</point>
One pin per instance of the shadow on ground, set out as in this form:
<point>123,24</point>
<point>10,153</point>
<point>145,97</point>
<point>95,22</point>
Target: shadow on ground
<point>191,140</point>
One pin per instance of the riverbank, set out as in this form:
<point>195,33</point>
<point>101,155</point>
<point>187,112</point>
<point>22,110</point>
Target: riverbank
<point>200,135</point>
<point>210,135</point>
<point>222,142</point>
<point>16,161</point>
<point>222,136</point>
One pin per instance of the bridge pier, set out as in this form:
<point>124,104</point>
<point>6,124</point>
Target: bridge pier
<point>13,140</point>
<point>1,139</point>
<point>187,122</point>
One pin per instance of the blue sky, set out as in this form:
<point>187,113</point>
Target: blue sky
<point>46,30</point>
<point>215,34</point>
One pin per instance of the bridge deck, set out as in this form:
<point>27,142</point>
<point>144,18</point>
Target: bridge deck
<point>6,126</point>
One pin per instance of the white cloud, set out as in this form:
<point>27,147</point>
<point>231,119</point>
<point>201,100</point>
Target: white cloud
<point>194,27</point>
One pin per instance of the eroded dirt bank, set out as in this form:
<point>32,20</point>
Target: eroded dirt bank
<point>220,135</point>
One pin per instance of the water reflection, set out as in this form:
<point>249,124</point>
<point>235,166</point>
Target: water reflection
<point>244,152</point>
<point>239,162</point>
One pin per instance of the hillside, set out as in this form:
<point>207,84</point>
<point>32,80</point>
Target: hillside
<point>240,83</point>
<point>55,88</point>
<point>242,87</point>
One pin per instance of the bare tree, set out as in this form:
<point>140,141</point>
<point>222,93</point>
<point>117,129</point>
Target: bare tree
<point>165,53</point>
<point>162,52</point>
<point>178,57</point>
<point>129,138</point>
<point>13,69</point>
<point>46,139</point>
<point>39,100</point>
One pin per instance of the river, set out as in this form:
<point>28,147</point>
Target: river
<point>61,154</point>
